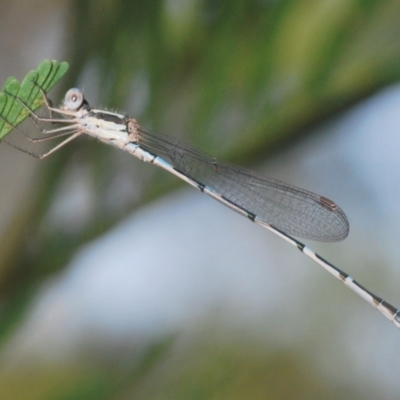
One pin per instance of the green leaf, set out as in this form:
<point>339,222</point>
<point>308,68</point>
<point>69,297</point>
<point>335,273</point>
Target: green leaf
<point>15,96</point>
<point>15,110</point>
<point>11,88</point>
<point>3,103</point>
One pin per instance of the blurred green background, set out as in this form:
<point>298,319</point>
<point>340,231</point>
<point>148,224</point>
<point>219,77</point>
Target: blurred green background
<point>240,79</point>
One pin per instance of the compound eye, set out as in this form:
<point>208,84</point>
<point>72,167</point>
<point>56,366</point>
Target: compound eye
<point>73,99</point>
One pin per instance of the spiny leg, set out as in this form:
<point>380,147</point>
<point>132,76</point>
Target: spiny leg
<point>55,134</point>
<point>51,151</point>
<point>50,134</point>
<point>73,130</point>
<point>50,108</point>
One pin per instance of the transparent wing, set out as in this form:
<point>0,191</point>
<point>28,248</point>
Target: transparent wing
<point>293,210</point>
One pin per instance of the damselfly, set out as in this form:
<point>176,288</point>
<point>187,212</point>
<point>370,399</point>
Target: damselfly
<point>281,208</point>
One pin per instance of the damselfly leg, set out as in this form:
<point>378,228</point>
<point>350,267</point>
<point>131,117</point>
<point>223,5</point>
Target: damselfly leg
<point>72,128</point>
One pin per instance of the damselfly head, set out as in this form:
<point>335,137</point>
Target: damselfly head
<point>73,99</point>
